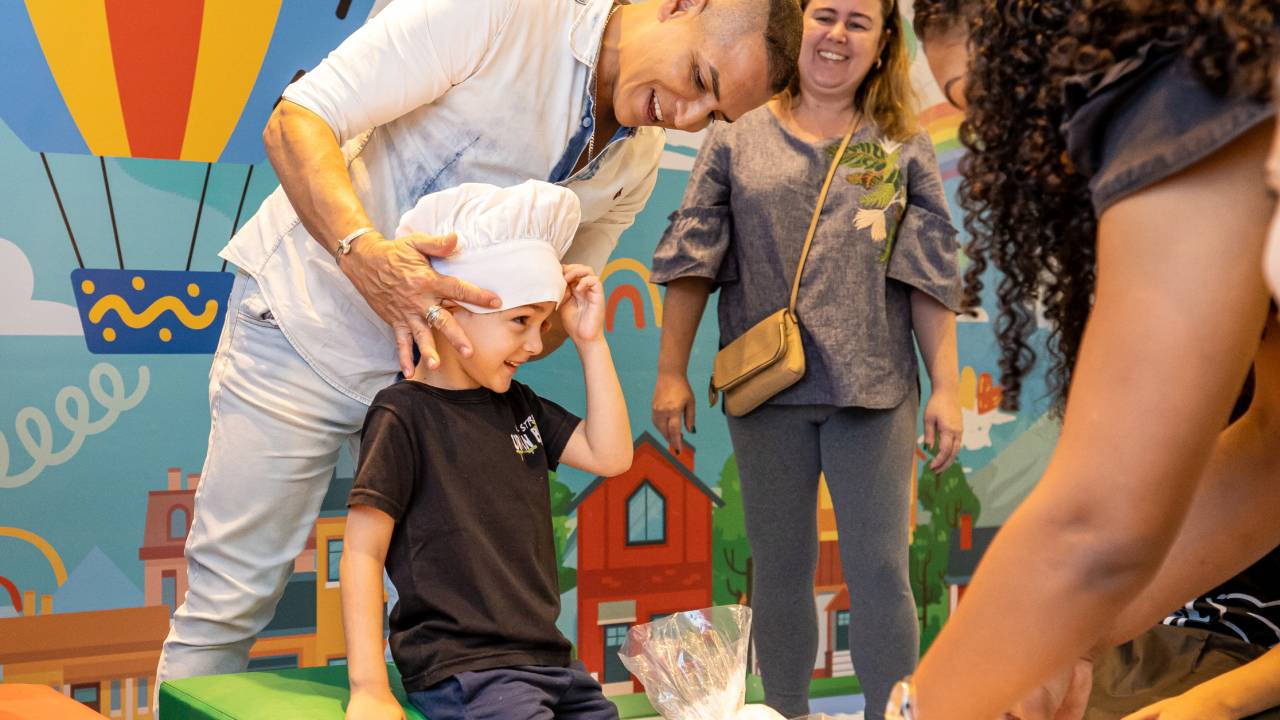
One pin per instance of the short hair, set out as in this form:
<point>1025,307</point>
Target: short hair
<point>939,17</point>
<point>783,28</point>
<point>782,35</point>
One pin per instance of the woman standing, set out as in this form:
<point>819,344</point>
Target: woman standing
<point>1142,230</point>
<point>881,272</point>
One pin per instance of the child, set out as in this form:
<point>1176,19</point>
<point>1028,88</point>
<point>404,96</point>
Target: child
<point>451,489</point>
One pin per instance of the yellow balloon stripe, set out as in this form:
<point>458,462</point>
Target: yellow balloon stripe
<point>642,270</point>
<point>156,309</point>
<point>234,36</point>
<point>55,560</point>
<point>78,49</point>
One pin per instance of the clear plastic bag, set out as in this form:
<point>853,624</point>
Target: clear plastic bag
<point>694,664</point>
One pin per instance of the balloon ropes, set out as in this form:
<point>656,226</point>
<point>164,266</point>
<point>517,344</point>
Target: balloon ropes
<point>191,81</point>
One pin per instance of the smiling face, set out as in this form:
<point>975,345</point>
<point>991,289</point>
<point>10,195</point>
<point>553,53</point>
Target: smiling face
<point>842,39</point>
<point>687,66</point>
<point>503,341</point>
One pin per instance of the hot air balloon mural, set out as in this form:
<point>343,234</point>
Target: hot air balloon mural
<point>187,82</point>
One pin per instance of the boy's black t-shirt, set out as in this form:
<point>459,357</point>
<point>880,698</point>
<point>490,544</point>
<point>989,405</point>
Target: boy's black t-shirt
<point>464,474</point>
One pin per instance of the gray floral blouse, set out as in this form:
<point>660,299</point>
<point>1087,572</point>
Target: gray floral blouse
<point>884,231</point>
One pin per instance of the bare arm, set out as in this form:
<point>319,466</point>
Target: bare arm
<point>1232,521</point>
<point>1157,372</point>
<point>364,553</point>
<point>935,328</point>
<point>673,399</point>
<point>601,443</point>
<point>1241,693</point>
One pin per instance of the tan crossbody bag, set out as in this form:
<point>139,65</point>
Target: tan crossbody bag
<point>769,358</point>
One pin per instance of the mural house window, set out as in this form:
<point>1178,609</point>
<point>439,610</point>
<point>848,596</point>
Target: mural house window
<point>115,697</point>
<point>646,516</point>
<point>335,560</point>
<point>178,523</point>
<point>273,662</point>
<point>169,589</point>
<point>614,670</point>
<point>144,697</point>
<point>87,695</point>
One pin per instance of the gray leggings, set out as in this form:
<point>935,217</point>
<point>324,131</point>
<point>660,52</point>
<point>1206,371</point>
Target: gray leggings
<point>866,456</point>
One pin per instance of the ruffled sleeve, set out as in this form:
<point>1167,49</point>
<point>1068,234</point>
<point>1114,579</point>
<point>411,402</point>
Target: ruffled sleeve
<point>697,240</point>
<point>925,248</point>
<point>1145,118</point>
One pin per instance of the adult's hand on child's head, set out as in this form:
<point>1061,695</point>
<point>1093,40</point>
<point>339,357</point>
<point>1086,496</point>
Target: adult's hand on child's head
<point>396,278</point>
<point>582,310</point>
<point>374,706</point>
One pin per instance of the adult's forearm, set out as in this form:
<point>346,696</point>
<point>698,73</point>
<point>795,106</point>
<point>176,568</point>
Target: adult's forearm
<point>1231,523</point>
<point>1053,570</point>
<point>308,161</point>
<point>682,308</point>
<point>935,329</point>
<point>1249,689</point>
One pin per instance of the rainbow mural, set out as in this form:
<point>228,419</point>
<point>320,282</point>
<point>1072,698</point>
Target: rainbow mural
<point>942,122</point>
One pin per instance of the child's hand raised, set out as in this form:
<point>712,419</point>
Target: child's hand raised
<point>582,310</point>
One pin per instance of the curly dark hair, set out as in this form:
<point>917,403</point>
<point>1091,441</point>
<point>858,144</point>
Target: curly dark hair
<point>933,18</point>
<point>1028,211</point>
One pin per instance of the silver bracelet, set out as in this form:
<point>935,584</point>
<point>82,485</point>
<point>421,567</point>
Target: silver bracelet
<point>902,702</point>
<point>344,245</point>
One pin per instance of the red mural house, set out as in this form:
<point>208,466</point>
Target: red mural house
<point>644,551</point>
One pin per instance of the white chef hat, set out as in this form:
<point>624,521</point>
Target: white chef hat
<point>510,240</point>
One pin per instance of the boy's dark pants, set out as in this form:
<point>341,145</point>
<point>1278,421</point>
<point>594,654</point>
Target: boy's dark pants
<point>517,693</point>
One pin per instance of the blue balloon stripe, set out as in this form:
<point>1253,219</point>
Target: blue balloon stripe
<point>30,102</point>
<point>305,32</point>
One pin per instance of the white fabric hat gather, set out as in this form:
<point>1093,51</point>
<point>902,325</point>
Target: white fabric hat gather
<point>510,240</point>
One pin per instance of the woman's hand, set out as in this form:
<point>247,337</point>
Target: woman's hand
<point>943,425</point>
<point>582,310</point>
<point>396,278</point>
<point>1064,697</point>
<point>374,706</point>
<point>673,403</point>
<point>1190,705</point>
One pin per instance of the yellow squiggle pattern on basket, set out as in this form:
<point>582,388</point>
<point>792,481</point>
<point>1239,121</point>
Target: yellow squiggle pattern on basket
<point>155,310</point>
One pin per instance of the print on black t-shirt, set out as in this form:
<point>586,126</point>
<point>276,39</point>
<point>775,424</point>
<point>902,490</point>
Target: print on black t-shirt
<point>464,474</point>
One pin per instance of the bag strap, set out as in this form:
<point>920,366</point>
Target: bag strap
<point>817,211</point>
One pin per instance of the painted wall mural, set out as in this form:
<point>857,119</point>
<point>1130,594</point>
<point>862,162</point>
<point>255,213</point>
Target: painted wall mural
<point>130,152</point>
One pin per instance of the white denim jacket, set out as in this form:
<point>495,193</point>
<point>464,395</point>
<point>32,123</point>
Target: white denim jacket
<point>429,94</point>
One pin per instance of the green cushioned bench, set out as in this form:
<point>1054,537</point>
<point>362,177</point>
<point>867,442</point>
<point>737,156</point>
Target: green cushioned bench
<point>320,693</point>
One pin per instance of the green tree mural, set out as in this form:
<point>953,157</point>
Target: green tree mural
<point>561,496</point>
<point>731,568</point>
<point>945,496</point>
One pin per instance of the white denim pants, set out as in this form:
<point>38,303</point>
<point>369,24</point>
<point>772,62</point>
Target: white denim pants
<point>275,434</point>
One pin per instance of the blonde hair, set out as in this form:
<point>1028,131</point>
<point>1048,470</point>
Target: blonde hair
<point>885,96</point>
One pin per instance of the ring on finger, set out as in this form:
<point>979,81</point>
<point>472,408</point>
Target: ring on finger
<point>433,315</point>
